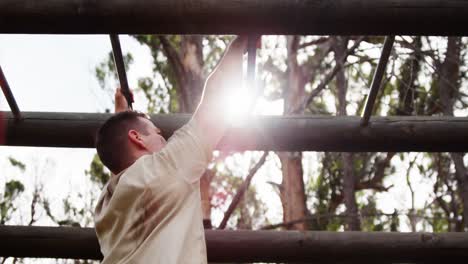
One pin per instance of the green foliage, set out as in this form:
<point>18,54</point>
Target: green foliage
<point>161,95</point>
<point>318,107</point>
<point>12,191</point>
<point>447,207</point>
<point>326,190</point>
<point>438,222</point>
<point>18,164</point>
<point>326,194</point>
<point>406,73</point>
<point>77,211</point>
<point>97,172</point>
<point>106,71</point>
<point>72,212</point>
<point>250,211</point>
<point>215,46</point>
<point>374,219</point>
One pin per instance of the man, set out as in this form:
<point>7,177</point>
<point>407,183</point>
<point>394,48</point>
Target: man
<point>150,210</point>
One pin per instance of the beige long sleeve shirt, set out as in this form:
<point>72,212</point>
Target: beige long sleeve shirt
<point>151,212</point>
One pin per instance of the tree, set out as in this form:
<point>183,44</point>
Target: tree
<point>314,72</point>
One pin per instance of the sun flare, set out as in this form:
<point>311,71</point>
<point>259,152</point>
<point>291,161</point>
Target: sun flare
<point>239,105</point>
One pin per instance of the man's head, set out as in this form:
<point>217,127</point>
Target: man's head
<point>125,137</point>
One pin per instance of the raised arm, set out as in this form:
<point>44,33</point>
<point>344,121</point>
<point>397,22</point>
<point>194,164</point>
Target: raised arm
<point>121,104</point>
<point>210,114</point>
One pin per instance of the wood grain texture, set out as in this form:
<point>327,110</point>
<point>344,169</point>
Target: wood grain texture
<point>256,246</point>
<point>305,17</point>
<point>283,133</point>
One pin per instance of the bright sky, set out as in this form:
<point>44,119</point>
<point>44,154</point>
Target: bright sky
<point>56,73</point>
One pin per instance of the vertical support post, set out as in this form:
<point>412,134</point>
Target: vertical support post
<point>9,96</point>
<point>120,66</point>
<point>377,79</point>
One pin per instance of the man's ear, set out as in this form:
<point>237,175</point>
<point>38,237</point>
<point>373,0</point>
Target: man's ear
<point>136,139</point>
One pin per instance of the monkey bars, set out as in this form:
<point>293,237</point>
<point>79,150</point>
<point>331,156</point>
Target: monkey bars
<point>284,133</point>
<point>257,246</point>
<point>307,17</point>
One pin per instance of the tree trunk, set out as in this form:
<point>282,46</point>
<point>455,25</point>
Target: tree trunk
<point>292,191</point>
<point>349,177</point>
<point>461,174</point>
<point>193,82</point>
<point>449,85</point>
<point>407,95</point>
<point>187,65</point>
<point>353,222</point>
<point>192,62</point>
<point>406,86</point>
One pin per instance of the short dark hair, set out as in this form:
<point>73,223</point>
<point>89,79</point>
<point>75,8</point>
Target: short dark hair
<point>111,139</point>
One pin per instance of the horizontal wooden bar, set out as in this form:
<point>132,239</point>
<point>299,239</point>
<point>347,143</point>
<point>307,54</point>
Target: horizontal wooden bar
<point>252,246</point>
<point>281,133</point>
<point>307,17</point>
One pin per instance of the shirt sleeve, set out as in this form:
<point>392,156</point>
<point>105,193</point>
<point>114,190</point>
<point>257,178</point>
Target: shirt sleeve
<point>188,152</point>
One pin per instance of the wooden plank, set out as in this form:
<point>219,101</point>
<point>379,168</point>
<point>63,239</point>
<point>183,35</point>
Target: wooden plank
<point>307,17</point>
<point>282,133</point>
<point>256,246</point>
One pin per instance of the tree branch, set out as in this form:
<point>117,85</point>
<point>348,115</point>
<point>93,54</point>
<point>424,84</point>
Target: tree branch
<point>175,61</point>
<point>241,190</point>
<point>376,181</point>
<point>327,79</point>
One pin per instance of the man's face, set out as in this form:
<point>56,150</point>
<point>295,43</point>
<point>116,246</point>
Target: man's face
<point>152,139</point>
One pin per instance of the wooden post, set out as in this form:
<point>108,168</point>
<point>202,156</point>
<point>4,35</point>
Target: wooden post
<point>281,133</point>
<point>307,17</point>
<point>256,246</point>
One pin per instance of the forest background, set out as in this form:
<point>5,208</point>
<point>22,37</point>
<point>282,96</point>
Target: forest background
<point>305,75</point>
